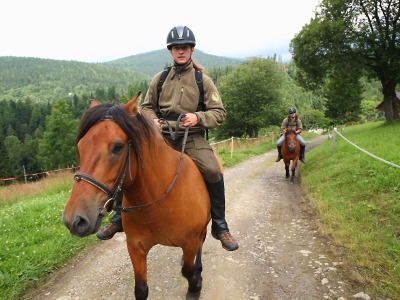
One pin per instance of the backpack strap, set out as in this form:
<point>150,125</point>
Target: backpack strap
<point>297,122</point>
<point>161,81</point>
<point>199,80</point>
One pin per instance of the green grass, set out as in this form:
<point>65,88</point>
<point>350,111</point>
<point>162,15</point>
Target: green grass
<point>357,199</point>
<point>34,242</point>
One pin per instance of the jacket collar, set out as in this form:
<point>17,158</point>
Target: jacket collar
<point>182,69</point>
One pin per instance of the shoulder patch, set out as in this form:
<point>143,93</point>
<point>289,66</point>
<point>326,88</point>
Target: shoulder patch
<point>215,97</point>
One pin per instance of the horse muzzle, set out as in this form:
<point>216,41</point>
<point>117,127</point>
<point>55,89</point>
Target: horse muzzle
<point>81,226</point>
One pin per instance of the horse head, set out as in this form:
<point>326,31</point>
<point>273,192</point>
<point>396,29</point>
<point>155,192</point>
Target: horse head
<point>106,140</point>
<point>291,141</point>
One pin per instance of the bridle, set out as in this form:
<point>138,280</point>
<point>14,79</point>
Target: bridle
<point>287,144</point>
<point>116,187</point>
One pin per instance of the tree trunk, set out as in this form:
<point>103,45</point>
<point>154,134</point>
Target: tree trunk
<point>391,104</point>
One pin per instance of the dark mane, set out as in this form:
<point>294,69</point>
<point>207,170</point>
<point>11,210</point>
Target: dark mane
<point>290,131</point>
<point>137,128</point>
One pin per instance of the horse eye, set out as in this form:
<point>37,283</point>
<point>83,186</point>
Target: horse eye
<point>118,147</point>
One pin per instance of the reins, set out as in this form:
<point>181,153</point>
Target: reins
<point>174,135</point>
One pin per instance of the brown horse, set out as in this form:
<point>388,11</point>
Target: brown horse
<point>290,152</point>
<point>165,199</point>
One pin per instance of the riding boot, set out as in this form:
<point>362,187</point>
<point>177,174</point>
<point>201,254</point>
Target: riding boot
<point>302,150</point>
<point>279,153</point>
<point>219,227</point>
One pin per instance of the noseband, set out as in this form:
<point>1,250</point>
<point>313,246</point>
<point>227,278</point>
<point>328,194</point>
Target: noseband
<point>116,187</point>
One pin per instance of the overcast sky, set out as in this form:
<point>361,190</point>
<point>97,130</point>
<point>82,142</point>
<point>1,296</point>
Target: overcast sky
<point>100,30</point>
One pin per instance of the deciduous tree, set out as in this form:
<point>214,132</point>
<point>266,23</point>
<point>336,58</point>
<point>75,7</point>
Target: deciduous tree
<point>251,95</point>
<point>363,35</point>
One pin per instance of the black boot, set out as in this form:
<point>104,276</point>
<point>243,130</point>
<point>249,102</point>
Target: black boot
<point>302,150</point>
<point>219,227</point>
<point>279,153</point>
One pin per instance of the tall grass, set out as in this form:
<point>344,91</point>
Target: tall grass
<point>357,198</point>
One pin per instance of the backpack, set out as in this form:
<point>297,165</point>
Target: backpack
<point>199,80</point>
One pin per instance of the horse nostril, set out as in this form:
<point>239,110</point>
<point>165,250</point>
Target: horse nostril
<point>80,226</point>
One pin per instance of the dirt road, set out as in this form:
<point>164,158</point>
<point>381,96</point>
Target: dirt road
<point>281,254</point>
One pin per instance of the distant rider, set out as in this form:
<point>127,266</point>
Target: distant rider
<point>293,122</point>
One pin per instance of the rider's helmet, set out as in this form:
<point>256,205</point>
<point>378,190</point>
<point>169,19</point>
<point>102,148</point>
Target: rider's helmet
<point>180,35</point>
<point>292,110</point>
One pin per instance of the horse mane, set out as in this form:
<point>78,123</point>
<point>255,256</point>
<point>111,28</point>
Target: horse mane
<point>290,131</point>
<point>138,127</point>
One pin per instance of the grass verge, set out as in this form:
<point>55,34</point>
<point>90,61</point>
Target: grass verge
<point>357,199</point>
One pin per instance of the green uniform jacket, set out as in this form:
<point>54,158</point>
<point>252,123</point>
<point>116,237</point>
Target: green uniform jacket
<point>294,125</point>
<point>180,94</point>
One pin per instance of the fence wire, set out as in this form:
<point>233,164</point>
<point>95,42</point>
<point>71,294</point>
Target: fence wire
<point>366,152</point>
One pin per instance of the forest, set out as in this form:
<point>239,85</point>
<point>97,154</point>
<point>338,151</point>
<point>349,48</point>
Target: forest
<point>42,102</point>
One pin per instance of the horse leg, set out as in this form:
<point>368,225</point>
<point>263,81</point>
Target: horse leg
<point>139,263</point>
<point>293,173</point>
<point>287,163</point>
<point>294,165</point>
<point>192,269</point>
<point>194,293</point>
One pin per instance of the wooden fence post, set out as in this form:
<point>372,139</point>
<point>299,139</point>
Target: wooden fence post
<point>333,141</point>
<point>231,147</point>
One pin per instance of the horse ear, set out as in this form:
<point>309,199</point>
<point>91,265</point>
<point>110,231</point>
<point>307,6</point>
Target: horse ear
<point>132,106</point>
<point>94,102</point>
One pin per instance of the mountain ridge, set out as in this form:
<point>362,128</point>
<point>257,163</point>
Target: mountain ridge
<point>42,79</point>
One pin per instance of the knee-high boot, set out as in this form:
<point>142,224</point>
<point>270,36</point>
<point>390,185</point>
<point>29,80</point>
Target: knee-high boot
<point>302,151</point>
<point>219,227</point>
<point>279,153</point>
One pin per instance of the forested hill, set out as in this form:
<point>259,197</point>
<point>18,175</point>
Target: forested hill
<point>48,80</point>
<point>152,62</point>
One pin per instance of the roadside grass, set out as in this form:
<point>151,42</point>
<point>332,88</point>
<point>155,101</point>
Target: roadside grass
<point>33,240</point>
<point>357,200</point>
<point>35,243</point>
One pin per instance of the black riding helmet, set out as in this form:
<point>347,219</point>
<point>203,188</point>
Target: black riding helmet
<point>180,35</point>
<point>292,110</point>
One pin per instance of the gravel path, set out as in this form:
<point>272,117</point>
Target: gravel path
<point>281,254</point>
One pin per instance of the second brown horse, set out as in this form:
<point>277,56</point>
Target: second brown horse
<point>290,152</point>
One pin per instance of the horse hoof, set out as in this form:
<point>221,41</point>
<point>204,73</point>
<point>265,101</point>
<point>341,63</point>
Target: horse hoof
<point>193,296</point>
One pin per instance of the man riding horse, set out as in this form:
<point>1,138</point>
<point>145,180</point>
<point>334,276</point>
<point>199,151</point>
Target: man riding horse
<point>293,122</point>
<point>180,95</point>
